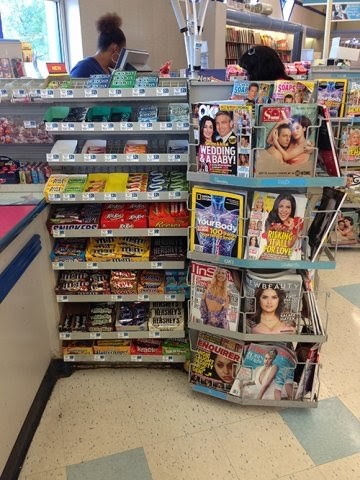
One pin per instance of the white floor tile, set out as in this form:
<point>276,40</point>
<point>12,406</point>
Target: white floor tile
<point>347,468</point>
<point>57,474</point>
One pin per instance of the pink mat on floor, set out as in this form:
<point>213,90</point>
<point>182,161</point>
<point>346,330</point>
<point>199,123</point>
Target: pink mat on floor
<point>10,216</point>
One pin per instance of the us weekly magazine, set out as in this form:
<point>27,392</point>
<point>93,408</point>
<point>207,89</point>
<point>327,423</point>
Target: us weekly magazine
<point>286,140</point>
<point>223,133</point>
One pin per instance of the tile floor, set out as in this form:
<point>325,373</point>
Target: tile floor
<point>147,424</point>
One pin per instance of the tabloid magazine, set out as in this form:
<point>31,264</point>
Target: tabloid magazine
<point>286,140</point>
<point>352,108</point>
<point>215,296</point>
<point>251,93</point>
<point>215,362</point>
<point>294,91</point>
<point>266,373</point>
<point>217,222</point>
<point>332,93</point>
<point>223,132</point>
<point>272,302</point>
<point>350,145</point>
<point>346,231</point>
<point>275,226</point>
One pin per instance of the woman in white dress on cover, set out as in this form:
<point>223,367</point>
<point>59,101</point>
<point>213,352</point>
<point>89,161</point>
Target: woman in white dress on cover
<point>262,386</point>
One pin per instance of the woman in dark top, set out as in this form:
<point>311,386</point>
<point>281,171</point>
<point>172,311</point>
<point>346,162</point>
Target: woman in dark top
<point>263,63</point>
<point>110,42</point>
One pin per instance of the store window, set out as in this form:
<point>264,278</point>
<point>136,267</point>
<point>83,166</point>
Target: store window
<point>38,22</point>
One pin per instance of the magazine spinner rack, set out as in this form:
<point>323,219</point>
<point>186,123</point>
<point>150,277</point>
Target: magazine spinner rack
<point>207,92</point>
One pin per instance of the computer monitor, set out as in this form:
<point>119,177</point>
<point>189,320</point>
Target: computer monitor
<point>133,60</point>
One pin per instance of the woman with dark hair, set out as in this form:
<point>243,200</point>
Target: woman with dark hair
<point>207,130</point>
<point>263,63</point>
<point>269,305</point>
<point>110,42</point>
<point>282,215</point>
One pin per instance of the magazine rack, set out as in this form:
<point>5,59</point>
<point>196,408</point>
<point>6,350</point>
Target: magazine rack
<point>207,92</point>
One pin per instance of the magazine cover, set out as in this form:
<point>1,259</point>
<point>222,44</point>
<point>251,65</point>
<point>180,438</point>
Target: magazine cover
<point>352,108</point>
<point>215,361</point>
<point>286,140</point>
<point>350,144</point>
<point>272,302</point>
<point>251,93</point>
<point>223,135</point>
<point>346,231</point>
<point>327,152</point>
<point>271,370</point>
<point>327,211</point>
<point>352,183</point>
<point>217,222</point>
<point>215,296</point>
<point>294,91</point>
<point>275,226</point>
<point>305,383</point>
<point>332,93</point>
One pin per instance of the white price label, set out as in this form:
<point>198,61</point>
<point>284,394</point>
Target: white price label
<point>182,125</point>
<point>88,126</point>
<point>54,197</point>
<point>3,92</point>
<point>174,194</point>
<point>92,265</point>
<point>88,197</point>
<point>153,157</point>
<point>58,265</point>
<point>65,335</point>
<point>68,157</point>
<point>163,92</point>
<point>146,126</point>
<point>110,196</point>
<point>66,93</point>
<point>154,232</point>
<point>62,298</point>
<point>69,358</point>
<point>143,297</point>
<point>170,297</point>
<point>99,358</point>
<point>154,334</point>
<point>69,197</point>
<point>153,195</point>
<point>180,91</point>
<point>168,358</point>
<point>29,124</point>
<point>126,126</point>
<point>174,157</point>
<point>20,93</point>
<point>136,358</point>
<point>47,93</point>
<point>52,157</point>
<point>68,127</point>
<point>59,233</point>
<point>34,93</point>
<point>123,334</point>
<point>156,265</point>
<point>90,92</point>
<point>133,157</point>
<point>95,335</point>
<point>116,298</point>
<point>115,92</point>
<point>52,126</point>
<point>138,92</point>
<point>166,126</point>
<point>106,233</point>
<point>107,127</point>
<point>132,196</point>
<point>90,157</point>
<point>110,157</point>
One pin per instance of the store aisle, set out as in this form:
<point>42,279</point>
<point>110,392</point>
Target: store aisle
<point>146,424</point>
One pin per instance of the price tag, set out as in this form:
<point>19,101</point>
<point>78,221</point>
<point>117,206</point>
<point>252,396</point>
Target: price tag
<point>143,297</point>
<point>54,197</point>
<point>66,93</point>
<point>52,127</point>
<point>69,197</point>
<point>110,157</point>
<point>153,157</point>
<point>92,265</point>
<point>162,91</point>
<point>68,127</point>
<point>123,334</point>
<point>138,92</point>
<point>34,93</point>
<point>62,298</point>
<point>65,335</point>
<point>99,358</point>
<point>58,265</point>
<point>182,125</point>
<point>90,157</point>
<point>115,92</point>
<point>174,194</point>
<point>180,91</point>
<point>106,233</point>
<point>3,92</point>
<point>154,334</point>
<point>47,93</point>
<point>174,157</point>
<point>116,298</point>
<point>132,196</point>
<point>88,197</point>
<point>167,358</point>
<point>166,126</point>
<point>133,157</point>
<point>136,358</point>
<point>170,297</point>
<point>69,358</point>
<point>156,265</point>
<point>153,195</point>
<point>90,92</point>
<point>146,126</point>
<point>107,127</point>
<point>59,233</point>
<point>68,157</point>
<point>126,126</point>
<point>95,335</point>
<point>87,127</point>
<point>154,232</point>
<point>29,124</point>
<point>20,93</point>
<point>110,196</point>
<point>52,157</point>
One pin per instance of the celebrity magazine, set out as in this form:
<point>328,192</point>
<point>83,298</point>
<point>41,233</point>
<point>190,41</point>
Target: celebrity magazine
<point>251,93</point>
<point>215,361</point>
<point>215,296</point>
<point>286,140</point>
<point>327,211</point>
<point>217,222</point>
<point>223,134</point>
<point>346,231</point>
<point>275,226</point>
<point>272,302</point>
<point>294,91</point>
<point>271,370</point>
<point>350,145</point>
<point>352,108</point>
<point>332,93</point>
